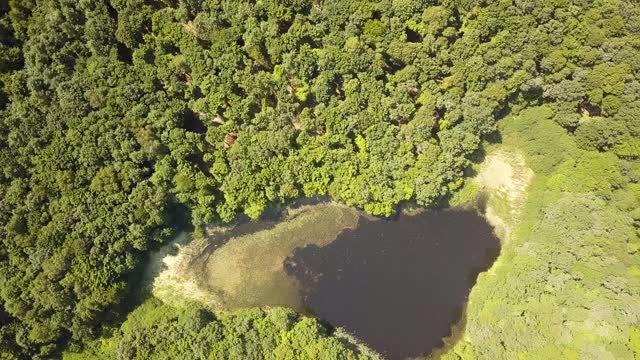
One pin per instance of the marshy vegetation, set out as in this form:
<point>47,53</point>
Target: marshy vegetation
<point>242,266</point>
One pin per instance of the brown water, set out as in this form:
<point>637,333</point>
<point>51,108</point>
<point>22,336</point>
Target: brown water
<point>397,285</point>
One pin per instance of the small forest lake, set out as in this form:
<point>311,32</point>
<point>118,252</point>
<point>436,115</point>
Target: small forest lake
<point>398,285</point>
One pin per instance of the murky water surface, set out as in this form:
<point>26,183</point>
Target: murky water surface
<point>397,285</point>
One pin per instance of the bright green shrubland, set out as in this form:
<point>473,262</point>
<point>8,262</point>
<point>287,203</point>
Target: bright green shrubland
<point>566,284</point>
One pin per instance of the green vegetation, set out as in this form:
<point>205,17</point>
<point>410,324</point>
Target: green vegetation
<point>567,283</point>
<point>119,116</point>
<point>158,331</point>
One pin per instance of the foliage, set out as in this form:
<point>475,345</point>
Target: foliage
<point>158,331</point>
<point>566,285</point>
<point>117,117</point>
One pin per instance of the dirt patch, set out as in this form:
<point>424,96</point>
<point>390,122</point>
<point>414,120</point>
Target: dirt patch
<point>504,177</point>
<point>247,270</point>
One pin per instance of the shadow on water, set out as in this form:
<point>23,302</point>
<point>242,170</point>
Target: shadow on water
<point>400,284</point>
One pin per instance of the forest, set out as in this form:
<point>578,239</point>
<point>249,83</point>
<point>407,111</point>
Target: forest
<point>124,121</point>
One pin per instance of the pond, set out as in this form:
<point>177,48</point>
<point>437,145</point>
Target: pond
<point>397,285</point>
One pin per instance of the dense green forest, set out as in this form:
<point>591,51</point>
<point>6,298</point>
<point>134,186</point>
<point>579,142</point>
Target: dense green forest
<point>158,331</point>
<point>122,121</point>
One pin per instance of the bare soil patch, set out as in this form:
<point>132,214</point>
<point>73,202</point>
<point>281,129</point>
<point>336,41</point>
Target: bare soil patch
<point>504,177</point>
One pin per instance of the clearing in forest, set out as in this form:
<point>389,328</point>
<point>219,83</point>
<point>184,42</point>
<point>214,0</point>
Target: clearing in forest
<point>504,177</point>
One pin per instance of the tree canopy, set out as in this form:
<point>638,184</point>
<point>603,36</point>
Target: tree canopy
<point>123,120</point>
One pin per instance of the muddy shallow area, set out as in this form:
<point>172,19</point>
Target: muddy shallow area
<point>242,266</point>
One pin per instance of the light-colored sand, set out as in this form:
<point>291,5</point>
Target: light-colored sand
<point>504,177</point>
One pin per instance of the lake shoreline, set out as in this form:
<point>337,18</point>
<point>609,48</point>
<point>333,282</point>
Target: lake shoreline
<point>480,198</point>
